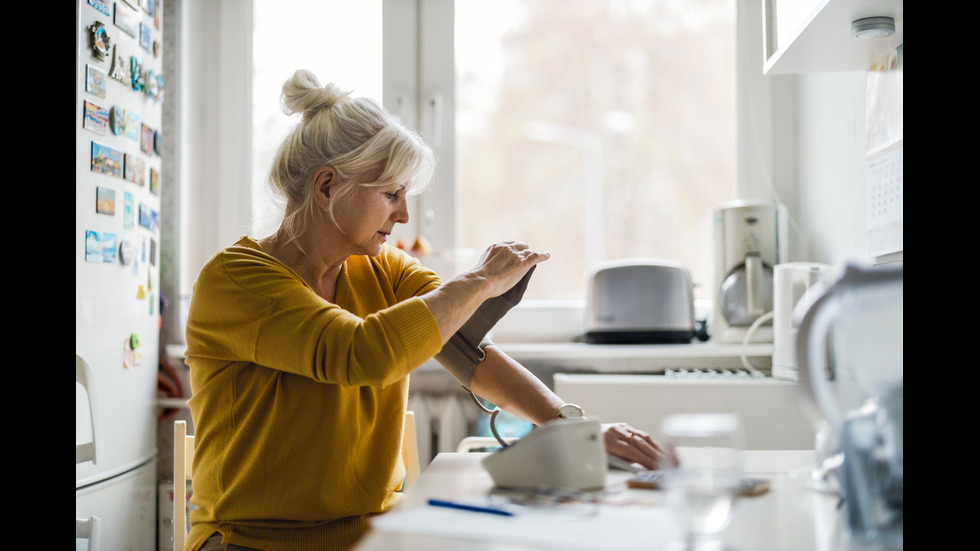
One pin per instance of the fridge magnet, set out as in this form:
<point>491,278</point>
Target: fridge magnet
<point>154,181</point>
<point>135,169</point>
<point>100,246</point>
<point>106,160</point>
<point>117,120</point>
<point>146,139</point>
<point>134,3</point>
<point>146,36</point>
<point>128,211</point>
<point>95,117</point>
<point>127,19</point>
<point>132,356</point>
<point>119,71</point>
<point>101,5</point>
<point>99,40</point>
<point>156,48</point>
<point>136,76</point>
<point>95,80</point>
<point>153,253</point>
<point>126,252</point>
<point>149,6</point>
<point>152,85</point>
<point>132,124</point>
<point>157,141</point>
<point>105,200</point>
<point>149,218</point>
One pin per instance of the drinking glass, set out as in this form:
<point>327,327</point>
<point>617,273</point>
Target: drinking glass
<point>703,475</point>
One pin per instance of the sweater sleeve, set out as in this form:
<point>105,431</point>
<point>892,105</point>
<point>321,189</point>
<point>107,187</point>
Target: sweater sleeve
<point>255,310</point>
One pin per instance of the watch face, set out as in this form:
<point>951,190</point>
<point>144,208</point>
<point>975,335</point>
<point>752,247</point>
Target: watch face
<point>570,411</point>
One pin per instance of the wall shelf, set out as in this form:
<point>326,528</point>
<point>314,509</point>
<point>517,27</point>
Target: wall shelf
<point>823,41</point>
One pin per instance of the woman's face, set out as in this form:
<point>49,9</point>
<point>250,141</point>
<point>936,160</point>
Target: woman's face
<point>369,214</point>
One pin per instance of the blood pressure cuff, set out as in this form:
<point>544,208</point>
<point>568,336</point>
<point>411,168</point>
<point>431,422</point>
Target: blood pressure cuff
<point>465,348</point>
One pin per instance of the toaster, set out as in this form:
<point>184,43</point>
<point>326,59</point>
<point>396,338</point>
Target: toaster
<point>640,302</point>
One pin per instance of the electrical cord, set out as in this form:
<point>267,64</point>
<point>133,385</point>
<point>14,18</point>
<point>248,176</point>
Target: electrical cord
<point>745,341</point>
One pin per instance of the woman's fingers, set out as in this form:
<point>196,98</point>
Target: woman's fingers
<point>505,263</point>
<point>634,445</point>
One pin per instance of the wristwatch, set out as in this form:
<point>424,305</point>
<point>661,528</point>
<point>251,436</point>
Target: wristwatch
<point>570,411</point>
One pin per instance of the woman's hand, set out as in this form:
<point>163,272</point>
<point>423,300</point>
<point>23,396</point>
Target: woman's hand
<point>500,268</point>
<point>634,446</point>
<point>504,264</point>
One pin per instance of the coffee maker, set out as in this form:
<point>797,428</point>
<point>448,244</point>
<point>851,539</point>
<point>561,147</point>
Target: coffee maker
<point>747,246</point>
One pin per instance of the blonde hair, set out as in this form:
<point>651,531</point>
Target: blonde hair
<point>363,143</point>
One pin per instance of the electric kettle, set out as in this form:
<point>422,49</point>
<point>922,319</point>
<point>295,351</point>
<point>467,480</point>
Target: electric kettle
<point>849,349</point>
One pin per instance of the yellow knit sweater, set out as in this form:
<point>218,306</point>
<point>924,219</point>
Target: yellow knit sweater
<point>298,403</point>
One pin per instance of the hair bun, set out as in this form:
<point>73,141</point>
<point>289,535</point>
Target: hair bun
<point>302,93</point>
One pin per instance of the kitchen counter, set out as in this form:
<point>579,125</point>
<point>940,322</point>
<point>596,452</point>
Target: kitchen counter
<point>547,358</point>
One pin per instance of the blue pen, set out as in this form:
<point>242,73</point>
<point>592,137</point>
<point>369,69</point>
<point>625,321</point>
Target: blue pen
<point>474,508</point>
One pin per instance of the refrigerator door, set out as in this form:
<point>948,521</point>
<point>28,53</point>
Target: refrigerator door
<point>117,206</point>
<point>123,509</point>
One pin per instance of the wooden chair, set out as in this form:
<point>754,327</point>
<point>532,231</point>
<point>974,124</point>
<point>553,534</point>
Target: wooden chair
<point>184,460</point>
<point>410,450</point>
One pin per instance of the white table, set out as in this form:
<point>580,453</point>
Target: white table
<point>791,516</point>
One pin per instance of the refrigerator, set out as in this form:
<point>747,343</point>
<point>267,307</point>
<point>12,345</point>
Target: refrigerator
<point>118,111</point>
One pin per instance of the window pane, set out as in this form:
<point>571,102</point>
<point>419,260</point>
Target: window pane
<point>339,41</point>
<point>595,130</point>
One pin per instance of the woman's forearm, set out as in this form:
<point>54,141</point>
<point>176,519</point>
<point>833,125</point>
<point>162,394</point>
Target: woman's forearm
<point>507,384</point>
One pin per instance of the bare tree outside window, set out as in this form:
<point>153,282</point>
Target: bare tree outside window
<point>596,130</point>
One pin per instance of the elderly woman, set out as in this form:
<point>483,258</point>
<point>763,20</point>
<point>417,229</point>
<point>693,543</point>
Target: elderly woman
<point>300,344</point>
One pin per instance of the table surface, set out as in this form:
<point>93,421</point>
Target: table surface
<point>794,514</point>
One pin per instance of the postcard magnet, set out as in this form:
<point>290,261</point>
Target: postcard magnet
<point>135,169</point>
<point>103,6</point>
<point>154,181</point>
<point>132,125</point>
<point>157,141</point>
<point>146,139</point>
<point>136,74</point>
<point>105,200</point>
<point>128,211</point>
<point>149,218</point>
<point>95,117</point>
<point>117,120</point>
<point>99,40</point>
<point>100,246</point>
<point>106,160</point>
<point>126,19</point>
<point>95,80</point>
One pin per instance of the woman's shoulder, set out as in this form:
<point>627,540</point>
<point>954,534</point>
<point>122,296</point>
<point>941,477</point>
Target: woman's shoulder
<point>244,257</point>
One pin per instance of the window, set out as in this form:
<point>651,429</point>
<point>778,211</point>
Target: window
<point>594,130</point>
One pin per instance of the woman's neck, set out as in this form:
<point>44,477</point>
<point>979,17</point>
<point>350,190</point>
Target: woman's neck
<point>309,258</point>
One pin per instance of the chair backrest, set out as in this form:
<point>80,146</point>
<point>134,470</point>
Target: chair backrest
<point>183,461</point>
<point>410,449</point>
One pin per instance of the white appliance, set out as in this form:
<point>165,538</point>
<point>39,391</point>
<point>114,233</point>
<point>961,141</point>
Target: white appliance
<point>564,454</point>
<point>747,244</point>
<point>792,283</point>
<point>117,276</point>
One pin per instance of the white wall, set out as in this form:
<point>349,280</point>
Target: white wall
<point>831,167</point>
